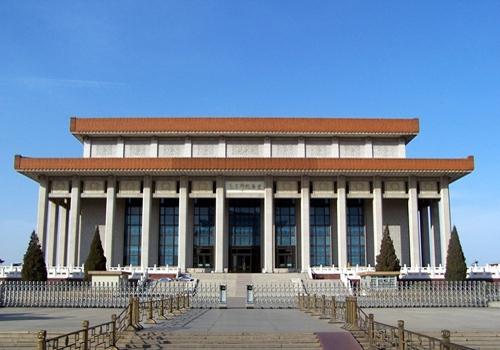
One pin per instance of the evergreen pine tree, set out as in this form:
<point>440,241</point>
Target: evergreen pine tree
<point>387,260</point>
<point>96,261</point>
<point>456,269</point>
<point>34,267</point>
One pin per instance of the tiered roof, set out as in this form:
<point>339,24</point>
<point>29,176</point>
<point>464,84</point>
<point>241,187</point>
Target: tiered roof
<point>454,168</point>
<point>81,127</point>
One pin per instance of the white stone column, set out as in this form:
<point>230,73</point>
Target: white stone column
<point>335,148</point>
<point>50,253</point>
<point>154,148</point>
<point>368,148</point>
<point>435,236</point>
<point>268,227</point>
<point>445,217</point>
<point>427,245</point>
<point>183,215</point>
<point>87,144</point>
<point>267,147</point>
<point>74,227</point>
<point>146,221</point>
<point>222,147</point>
<point>188,150</point>
<point>120,148</point>
<point>413,225</point>
<point>62,249</point>
<point>402,148</point>
<point>219,224</point>
<point>301,148</point>
<point>378,225</point>
<point>305,224</point>
<point>342,221</point>
<point>110,223</point>
<point>41,227</point>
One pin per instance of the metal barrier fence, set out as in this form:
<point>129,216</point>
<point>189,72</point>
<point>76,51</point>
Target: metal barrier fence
<point>274,296</point>
<point>82,294</point>
<point>327,287</point>
<point>430,294</point>
<point>379,335</point>
<point>106,335</point>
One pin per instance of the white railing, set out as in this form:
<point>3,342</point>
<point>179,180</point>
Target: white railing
<point>407,273</point>
<point>76,272</point>
<point>345,273</point>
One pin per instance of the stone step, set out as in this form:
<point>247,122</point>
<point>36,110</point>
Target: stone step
<point>160,340</point>
<point>20,340</point>
<point>484,340</point>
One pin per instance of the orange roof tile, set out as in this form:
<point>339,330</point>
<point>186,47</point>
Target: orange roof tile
<point>33,167</point>
<point>237,125</point>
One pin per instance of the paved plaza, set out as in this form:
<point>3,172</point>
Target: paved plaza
<point>238,319</point>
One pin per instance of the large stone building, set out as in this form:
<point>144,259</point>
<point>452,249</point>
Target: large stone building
<point>243,194</point>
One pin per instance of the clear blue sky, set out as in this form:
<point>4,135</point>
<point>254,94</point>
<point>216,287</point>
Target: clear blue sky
<point>435,60</point>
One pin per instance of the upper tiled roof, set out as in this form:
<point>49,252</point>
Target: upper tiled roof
<point>454,168</point>
<point>237,125</point>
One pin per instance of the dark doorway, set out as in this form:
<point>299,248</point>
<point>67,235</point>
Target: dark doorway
<point>244,235</point>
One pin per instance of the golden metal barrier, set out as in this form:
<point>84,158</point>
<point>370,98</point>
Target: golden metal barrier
<point>107,334</point>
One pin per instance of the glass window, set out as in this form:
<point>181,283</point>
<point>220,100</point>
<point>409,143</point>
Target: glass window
<point>244,222</point>
<point>320,232</point>
<point>132,232</point>
<point>355,232</point>
<point>169,232</point>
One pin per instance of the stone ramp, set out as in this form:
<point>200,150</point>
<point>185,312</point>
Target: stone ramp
<point>338,341</point>
<point>237,282</point>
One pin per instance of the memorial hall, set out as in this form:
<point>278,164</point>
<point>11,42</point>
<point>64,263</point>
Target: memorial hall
<point>266,195</point>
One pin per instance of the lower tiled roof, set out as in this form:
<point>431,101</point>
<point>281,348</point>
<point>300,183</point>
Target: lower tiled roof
<point>33,167</point>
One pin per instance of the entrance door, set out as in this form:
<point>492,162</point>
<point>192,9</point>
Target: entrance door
<point>244,235</point>
<point>241,260</point>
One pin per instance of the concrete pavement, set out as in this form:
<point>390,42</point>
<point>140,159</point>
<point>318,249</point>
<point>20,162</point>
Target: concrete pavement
<point>238,319</point>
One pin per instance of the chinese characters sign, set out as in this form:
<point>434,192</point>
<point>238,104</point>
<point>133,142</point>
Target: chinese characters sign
<point>244,186</point>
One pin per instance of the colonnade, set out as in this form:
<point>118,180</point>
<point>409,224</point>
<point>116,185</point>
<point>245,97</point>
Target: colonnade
<point>59,220</point>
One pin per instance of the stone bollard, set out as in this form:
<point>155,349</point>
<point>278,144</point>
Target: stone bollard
<point>445,334</point>
<point>130,316</point>
<point>150,319</point>
<point>347,312</point>
<point>300,302</point>
<point>85,335</point>
<point>161,316</point>
<point>371,334</point>
<point>323,308</point>
<point>177,310</point>
<point>113,335</point>
<point>309,304</point>
<point>41,338</point>
<point>351,314</point>
<point>401,335</point>
<point>333,310</point>
<point>136,313</point>
<point>183,309</point>
<point>171,306</point>
<point>315,306</point>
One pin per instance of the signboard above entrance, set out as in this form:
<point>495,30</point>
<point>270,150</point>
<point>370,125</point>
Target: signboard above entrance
<point>244,186</point>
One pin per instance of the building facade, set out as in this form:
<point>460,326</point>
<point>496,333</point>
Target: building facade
<point>243,194</point>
